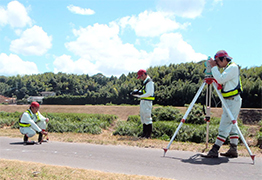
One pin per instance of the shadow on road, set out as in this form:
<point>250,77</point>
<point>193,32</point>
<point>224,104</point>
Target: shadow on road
<point>197,159</point>
<point>22,143</point>
<point>17,143</point>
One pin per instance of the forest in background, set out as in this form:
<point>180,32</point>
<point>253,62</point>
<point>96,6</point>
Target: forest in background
<point>175,85</point>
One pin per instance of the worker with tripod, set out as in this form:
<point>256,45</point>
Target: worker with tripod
<point>231,89</point>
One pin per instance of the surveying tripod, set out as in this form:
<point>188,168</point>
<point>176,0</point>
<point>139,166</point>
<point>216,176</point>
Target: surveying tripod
<point>209,80</point>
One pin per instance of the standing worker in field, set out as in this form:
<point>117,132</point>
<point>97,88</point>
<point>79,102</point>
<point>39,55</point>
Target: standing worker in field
<point>146,102</point>
<point>33,121</point>
<point>231,89</point>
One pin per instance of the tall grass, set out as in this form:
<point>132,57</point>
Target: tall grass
<point>65,122</point>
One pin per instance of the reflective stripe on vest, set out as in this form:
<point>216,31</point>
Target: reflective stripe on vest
<point>150,98</point>
<point>235,91</point>
<point>27,124</point>
<point>24,124</point>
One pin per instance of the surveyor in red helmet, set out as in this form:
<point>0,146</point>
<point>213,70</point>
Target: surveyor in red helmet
<point>146,102</point>
<point>231,89</point>
<point>32,122</point>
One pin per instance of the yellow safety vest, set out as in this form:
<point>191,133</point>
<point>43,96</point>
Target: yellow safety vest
<point>235,91</point>
<point>150,98</point>
<point>27,124</point>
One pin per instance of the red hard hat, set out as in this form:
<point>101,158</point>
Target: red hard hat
<point>34,104</point>
<point>222,53</point>
<point>140,73</point>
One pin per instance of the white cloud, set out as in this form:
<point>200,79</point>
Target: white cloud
<point>3,16</point>
<point>13,65</point>
<point>219,2</point>
<point>79,10</point>
<point>64,63</point>
<point>33,41</point>
<point>101,50</point>
<point>182,8</point>
<point>173,49</point>
<point>151,24</point>
<point>15,15</point>
<point>18,32</point>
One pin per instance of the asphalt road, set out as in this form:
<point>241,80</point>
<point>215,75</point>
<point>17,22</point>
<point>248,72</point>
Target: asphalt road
<point>180,165</point>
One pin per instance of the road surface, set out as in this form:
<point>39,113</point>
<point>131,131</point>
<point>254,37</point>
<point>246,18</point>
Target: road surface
<point>180,165</point>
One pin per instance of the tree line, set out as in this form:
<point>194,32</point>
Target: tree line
<point>175,85</point>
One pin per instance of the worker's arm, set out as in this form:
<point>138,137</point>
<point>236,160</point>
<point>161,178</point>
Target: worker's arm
<point>228,74</point>
<point>149,90</point>
<point>42,118</point>
<point>27,119</point>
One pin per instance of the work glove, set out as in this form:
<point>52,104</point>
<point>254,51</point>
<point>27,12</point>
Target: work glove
<point>44,132</point>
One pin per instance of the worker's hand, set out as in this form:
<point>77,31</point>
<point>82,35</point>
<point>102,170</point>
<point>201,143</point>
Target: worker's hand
<point>46,120</point>
<point>44,132</point>
<point>212,62</point>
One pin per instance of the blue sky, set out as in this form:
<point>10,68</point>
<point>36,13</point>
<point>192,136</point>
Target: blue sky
<point>115,37</point>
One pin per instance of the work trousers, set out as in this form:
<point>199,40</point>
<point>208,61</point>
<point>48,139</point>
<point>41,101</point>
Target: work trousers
<point>145,111</point>
<point>226,126</point>
<point>30,132</point>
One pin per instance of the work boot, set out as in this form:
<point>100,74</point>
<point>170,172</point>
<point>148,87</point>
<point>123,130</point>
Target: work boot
<point>25,138</point>
<point>26,142</point>
<point>232,152</point>
<point>148,131</point>
<point>213,153</point>
<point>144,131</point>
<point>40,137</point>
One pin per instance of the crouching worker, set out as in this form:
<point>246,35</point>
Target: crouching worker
<point>32,122</point>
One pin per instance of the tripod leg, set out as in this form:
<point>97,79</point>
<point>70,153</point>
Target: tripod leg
<point>208,108</point>
<point>185,116</point>
<point>234,121</point>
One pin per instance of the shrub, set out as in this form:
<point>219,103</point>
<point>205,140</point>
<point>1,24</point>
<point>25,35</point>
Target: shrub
<point>169,113</point>
<point>84,124</point>
<point>187,132</point>
<point>164,129</point>
<point>9,119</point>
<point>65,122</point>
<point>214,120</point>
<point>134,118</point>
<point>260,125</point>
<point>259,140</point>
<point>128,128</point>
<point>166,114</point>
<point>196,115</point>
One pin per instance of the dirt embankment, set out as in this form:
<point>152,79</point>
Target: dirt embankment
<point>121,111</point>
<point>249,116</point>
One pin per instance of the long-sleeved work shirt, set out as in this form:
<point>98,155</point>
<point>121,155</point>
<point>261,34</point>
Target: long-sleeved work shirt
<point>149,88</point>
<point>229,78</point>
<point>26,118</point>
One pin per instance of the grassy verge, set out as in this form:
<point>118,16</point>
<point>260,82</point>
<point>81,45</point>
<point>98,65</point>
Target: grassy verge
<point>11,169</point>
